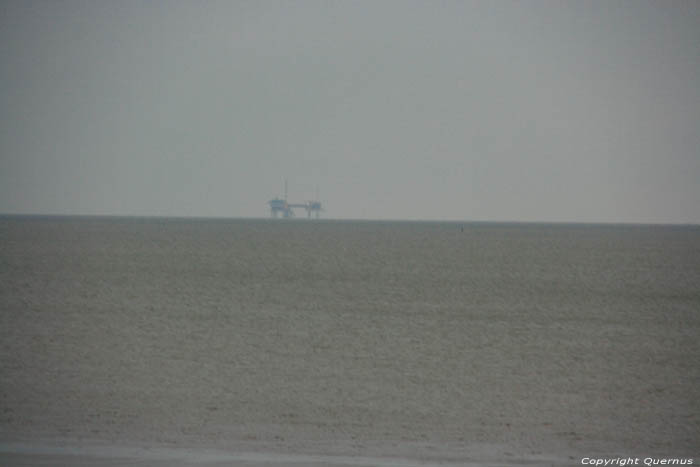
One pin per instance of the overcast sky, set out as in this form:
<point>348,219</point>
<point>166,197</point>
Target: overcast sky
<point>493,110</point>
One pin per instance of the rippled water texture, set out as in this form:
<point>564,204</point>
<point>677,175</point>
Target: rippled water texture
<point>540,338</point>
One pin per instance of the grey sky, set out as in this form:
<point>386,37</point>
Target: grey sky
<point>526,111</point>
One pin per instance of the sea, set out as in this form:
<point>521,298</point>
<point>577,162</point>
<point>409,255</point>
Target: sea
<point>352,336</point>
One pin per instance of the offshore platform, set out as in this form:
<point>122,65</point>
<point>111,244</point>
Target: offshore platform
<point>281,207</point>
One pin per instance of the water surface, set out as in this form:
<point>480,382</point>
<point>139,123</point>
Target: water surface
<point>533,337</point>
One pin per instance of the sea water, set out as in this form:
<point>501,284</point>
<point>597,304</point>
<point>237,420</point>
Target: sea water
<point>538,337</point>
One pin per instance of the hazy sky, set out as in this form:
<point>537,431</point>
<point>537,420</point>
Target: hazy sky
<point>490,110</point>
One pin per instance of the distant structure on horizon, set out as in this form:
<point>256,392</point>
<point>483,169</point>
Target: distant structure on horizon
<point>281,206</point>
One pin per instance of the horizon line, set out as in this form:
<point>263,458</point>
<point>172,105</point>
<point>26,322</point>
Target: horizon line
<point>343,219</point>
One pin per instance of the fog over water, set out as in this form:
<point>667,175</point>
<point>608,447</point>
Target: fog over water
<point>525,111</point>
